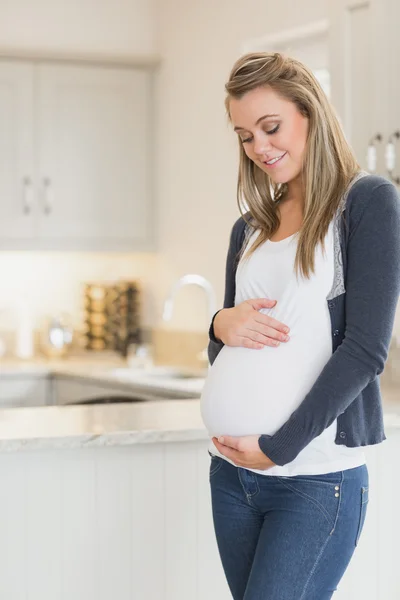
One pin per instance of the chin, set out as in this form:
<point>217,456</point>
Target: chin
<point>284,177</point>
<point>280,178</point>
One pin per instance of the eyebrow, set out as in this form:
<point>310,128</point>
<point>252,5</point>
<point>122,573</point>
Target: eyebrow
<point>257,122</point>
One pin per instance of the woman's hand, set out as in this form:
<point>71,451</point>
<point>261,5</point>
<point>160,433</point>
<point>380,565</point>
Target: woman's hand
<point>244,451</point>
<point>245,326</point>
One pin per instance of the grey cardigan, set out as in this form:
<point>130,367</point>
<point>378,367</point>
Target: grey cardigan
<point>362,306</point>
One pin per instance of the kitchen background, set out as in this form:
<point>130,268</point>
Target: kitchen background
<point>118,167</point>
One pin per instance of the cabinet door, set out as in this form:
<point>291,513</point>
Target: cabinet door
<point>95,136</point>
<point>358,76</point>
<point>16,153</point>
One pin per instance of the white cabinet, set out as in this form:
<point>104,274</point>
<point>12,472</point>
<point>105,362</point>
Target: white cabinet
<point>94,176</point>
<point>16,152</point>
<point>373,573</point>
<point>364,63</point>
<point>24,391</point>
<point>135,521</point>
<point>75,157</point>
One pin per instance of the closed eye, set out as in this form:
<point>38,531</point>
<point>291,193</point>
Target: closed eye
<point>270,132</point>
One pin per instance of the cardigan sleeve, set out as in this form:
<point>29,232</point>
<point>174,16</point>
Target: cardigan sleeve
<point>236,239</point>
<point>372,292</point>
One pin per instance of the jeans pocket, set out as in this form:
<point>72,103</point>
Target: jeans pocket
<point>216,464</point>
<point>363,511</point>
<point>318,495</point>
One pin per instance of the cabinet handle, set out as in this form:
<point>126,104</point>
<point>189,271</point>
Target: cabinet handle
<point>47,196</point>
<point>27,198</point>
<point>390,156</point>
<point>372,153</point>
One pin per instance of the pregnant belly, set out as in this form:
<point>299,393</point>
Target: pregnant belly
<point>255,391</point>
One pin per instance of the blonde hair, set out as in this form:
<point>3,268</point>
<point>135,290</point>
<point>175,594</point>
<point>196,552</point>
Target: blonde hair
<point>329,163</point>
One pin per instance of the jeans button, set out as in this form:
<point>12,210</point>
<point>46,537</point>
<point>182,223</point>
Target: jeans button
<point>342,434</point>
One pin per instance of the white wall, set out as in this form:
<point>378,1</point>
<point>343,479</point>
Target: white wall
<point>197,152</point>
<point>53,281</point>
<point>103,26</point>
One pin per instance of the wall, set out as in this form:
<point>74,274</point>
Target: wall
<point>53,281</point>
<point>197,152</point>
<point>109,26</point>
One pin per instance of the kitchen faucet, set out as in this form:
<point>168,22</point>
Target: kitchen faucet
<point>191,279</point>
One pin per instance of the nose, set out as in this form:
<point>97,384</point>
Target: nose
<point>262,145</point>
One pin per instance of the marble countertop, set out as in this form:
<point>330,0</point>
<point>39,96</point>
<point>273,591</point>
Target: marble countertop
<point>100,425</point>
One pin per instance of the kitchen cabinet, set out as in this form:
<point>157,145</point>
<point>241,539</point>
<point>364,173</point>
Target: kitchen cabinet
<point>151,537</point>
<point>75,157</point>
<point>24,391</point>
<point>364,63</point>
<point>17,221</point>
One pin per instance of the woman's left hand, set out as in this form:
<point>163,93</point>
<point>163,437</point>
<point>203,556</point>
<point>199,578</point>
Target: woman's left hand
<point>244,451</point>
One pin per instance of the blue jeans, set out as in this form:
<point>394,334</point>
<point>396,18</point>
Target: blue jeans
<point>286,538</point>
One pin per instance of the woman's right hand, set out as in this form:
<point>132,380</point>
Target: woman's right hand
<point>243,325</point>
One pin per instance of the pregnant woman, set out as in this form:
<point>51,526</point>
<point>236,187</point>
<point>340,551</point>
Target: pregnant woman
<point>312,284</point>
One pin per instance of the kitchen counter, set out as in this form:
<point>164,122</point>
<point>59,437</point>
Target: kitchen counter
<point>122,424</point>
<point>100,425</point>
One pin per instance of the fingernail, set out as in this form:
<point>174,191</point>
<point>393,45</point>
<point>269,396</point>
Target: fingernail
<point>221,440</point>
<point>286,329</point>
<point>275,343</point>
<point>286,338</point>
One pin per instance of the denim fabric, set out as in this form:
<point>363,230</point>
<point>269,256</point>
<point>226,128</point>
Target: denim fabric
<point>286,538</point>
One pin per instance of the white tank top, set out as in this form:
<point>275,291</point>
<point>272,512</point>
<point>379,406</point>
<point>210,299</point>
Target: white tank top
<point>250,391</point>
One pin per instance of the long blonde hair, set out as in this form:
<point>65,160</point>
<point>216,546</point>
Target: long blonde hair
<point>329,163</point>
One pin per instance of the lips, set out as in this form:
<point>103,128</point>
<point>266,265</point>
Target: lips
<point>273,161</point>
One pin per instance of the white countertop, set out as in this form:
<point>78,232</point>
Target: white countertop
<point>100,425</point>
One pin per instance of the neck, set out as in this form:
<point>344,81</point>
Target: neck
<point>295,192</point>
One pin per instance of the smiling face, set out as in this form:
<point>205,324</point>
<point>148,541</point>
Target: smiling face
<point>273,132</point>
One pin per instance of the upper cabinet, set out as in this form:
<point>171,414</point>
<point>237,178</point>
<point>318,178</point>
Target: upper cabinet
<point>16,153</point>
<point>364,65</point>
<point>75,146</point>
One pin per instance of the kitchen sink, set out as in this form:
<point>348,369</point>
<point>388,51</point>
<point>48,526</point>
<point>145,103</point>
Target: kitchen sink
<point>108,400</point>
